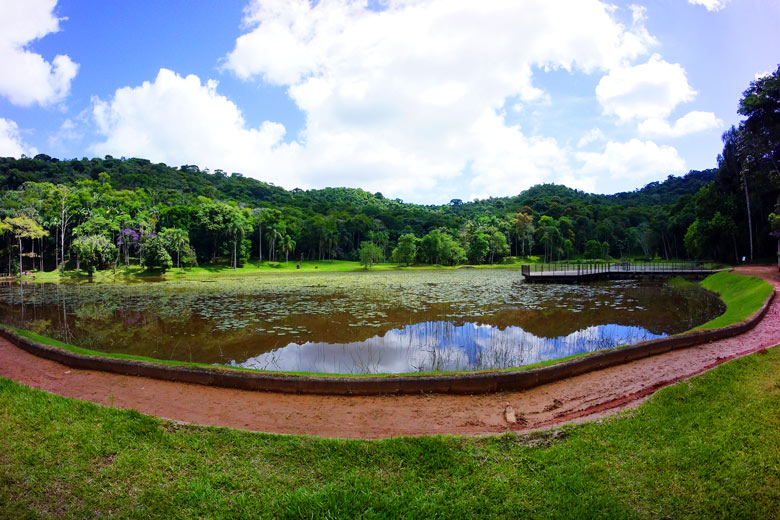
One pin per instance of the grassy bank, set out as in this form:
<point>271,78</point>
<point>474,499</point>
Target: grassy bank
<point>743,295</point>
<point>709,448</point>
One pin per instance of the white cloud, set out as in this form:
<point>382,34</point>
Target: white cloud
<point>11,143</point>
<point>393,98</point>
<point>649,90</point>
<point>632,163</point>
<point>507,161</point>
<point>591,136</point>
<point>28,78</point>
<point>711,5</point>
<point>408,101</point>
<point>181,121</point>
<point>691,123</point>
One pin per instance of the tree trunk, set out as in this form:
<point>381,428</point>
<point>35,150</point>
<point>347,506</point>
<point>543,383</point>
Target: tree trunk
<point>235,258</point>
<point>20,257</point>
<point>260,243</point>
<point>750,219</point>
<point>63,229</point>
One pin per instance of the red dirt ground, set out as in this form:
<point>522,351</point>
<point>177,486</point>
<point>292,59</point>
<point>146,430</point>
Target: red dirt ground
<point>584,397</point>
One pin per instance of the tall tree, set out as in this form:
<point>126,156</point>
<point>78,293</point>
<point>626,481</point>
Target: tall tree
<point>24,227</point>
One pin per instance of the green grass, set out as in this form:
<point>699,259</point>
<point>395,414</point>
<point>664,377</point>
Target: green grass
<point>705,448</point>
<point>249,269</point>
<point>743,295</point>
<point>268,268</point>
<point>218,270</point>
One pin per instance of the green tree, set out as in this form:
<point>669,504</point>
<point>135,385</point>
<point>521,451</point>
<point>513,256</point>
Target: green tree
<point>23,227</point>
<point>550,236</point>
<point>406,251</point>
<point>288,246</point>
<point>94,251</point>
<point>523,228</point>
<point>369,254</point>
<point>452,253</point>
<point>175,240</point>
<point>430,246</point>
<point>592,249</point>
<point>497,246</point>
<point>154,255</point>
<point>237,224</point>
<point>478,248</point>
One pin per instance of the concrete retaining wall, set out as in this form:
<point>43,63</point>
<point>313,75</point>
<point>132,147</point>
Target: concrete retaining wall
<point>478,382</point>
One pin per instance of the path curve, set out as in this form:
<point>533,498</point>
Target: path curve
<point>583,397</point>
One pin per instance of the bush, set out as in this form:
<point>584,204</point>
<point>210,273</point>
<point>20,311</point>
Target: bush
<point>592,249</point>
<point>94,252</point>
<point>154,255</point>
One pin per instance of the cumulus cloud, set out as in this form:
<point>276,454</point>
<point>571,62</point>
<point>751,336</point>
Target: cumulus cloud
<point>711,5</point>
<point>691,123</point>
<point>28,77</point>
<point>410,97</point>
<point>631,163</point>
<point>11,143</point>
<point>591,136</point>
<point>649,90</point>
<point>179,120</point>
<point>408,100</point>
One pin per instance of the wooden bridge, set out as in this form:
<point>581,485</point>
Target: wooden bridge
<point>579,273</point>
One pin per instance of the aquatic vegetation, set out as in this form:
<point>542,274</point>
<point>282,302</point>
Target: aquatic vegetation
<point>354,317</point>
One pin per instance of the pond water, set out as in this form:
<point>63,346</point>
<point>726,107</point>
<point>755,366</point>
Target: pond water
<point>365,322</point>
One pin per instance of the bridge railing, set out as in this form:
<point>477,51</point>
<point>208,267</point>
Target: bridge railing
<point>570,268</point>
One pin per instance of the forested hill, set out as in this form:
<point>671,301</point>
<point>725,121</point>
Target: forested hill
<point>224,215</point>
<point>189,182</point>
<point>94,212</point>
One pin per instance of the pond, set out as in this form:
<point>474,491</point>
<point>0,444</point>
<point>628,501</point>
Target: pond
<point>359,323</point>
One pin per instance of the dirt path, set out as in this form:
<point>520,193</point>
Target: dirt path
<point>580,398</point>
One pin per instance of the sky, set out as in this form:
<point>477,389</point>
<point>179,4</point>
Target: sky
<point>422,100</point>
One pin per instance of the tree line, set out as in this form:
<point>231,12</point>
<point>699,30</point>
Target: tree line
<point>108,213</point>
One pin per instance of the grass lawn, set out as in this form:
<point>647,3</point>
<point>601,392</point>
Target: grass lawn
<point>709,447</point>
<point>743,295</point>
<point>252,268</point>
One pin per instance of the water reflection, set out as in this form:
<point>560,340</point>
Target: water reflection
<point>442,345</point>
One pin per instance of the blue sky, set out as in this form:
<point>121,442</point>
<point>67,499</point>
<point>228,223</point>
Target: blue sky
<point>425,100</point>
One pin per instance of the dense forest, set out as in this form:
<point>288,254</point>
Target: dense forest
<point>100,213</point>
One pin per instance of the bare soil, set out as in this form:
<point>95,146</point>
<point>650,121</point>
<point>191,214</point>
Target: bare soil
<point>584,397</point>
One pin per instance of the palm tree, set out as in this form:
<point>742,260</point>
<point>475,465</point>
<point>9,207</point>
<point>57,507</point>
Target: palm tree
<point>288,246</point>
<point>179,239</point>
<point>258,215</point>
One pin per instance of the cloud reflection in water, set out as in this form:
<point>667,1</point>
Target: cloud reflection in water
<point>443,345</point>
